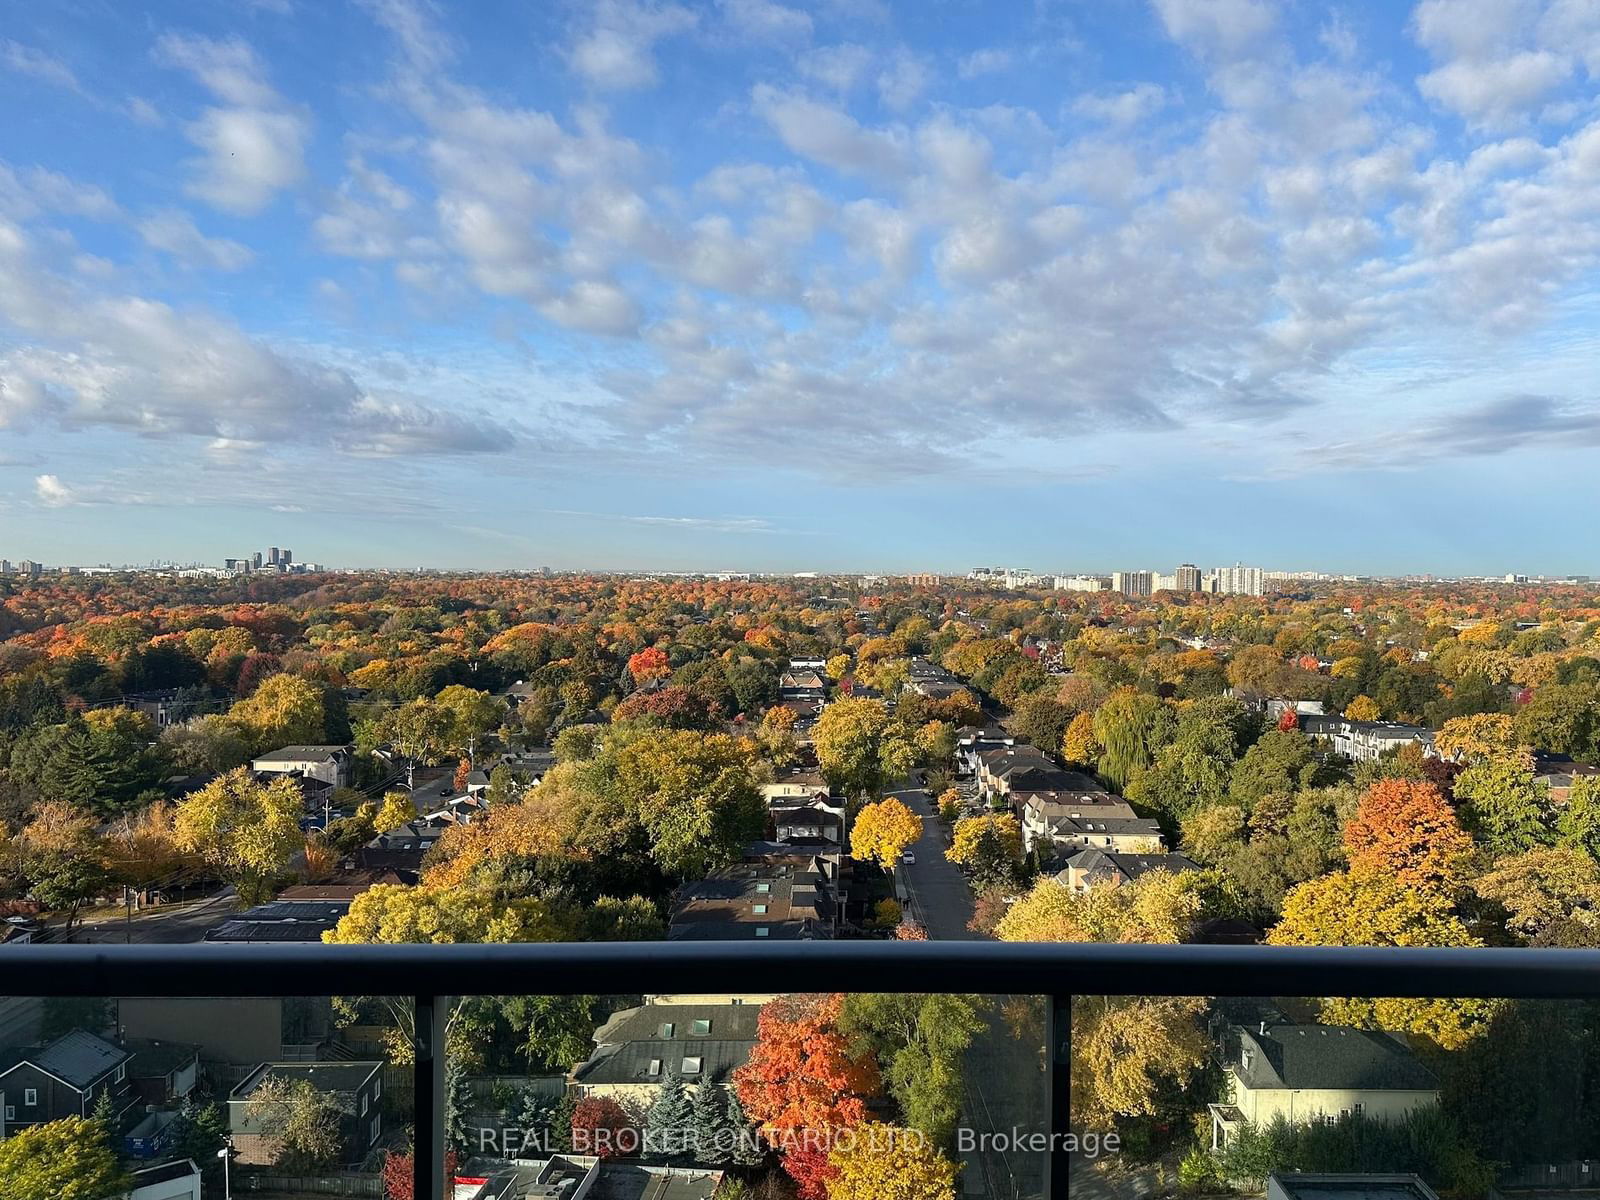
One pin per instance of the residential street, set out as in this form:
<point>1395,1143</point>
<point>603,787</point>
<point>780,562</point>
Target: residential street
<point>168,923</point>
<point>938,892</point>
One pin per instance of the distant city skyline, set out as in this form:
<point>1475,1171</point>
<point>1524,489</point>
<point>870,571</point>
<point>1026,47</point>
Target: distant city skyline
<point>675,285</point>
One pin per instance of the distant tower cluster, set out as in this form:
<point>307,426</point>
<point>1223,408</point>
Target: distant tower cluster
<point>280,559</point>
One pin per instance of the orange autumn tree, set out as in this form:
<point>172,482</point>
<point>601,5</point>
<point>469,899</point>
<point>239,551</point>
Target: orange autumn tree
<point>803,1079</point>
<point>649,665</point>
<point>1405,829</point>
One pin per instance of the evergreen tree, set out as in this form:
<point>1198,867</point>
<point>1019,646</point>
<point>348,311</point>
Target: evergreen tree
<point>667,1123</point>
<point>708,1120</point>
<point>561,1123</point>
<point>457,1099</point>
<point>533,1118</point>
<point>105,1111</point>
<point>747,1150</point>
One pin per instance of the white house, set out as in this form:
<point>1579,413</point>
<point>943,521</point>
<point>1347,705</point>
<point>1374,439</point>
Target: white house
<point>1309,1073</point>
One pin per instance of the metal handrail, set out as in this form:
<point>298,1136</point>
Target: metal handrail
<point>619,967</point>
<point>432,974</point>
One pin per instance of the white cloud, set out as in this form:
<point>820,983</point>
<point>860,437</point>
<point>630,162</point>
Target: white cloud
<point>617,52</point>
<point>175,233</point>
<point>1222,27</point>
<point>253,143</point>
<point>1123,109</point>
<point>766,20</point>
<point>902,83</point>
<point>826,134</point>
<point>1496,92</point>
<point>36,64</point>
<point>52,493</point>
<point>839,67</point>
<point>984,62</point>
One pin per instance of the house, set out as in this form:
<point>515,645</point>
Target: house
<point>1559,773</point>
<point>1122,835</point>
<point>782,894</point>
<point>994,765</point>
<point>234,1031</point>
<point>1054,816</point>
<point>1366,741</point>
<point>331,764</point>
<point>400,851</point>
<point>162,1072</point>
<point>19,931</point>
<point>356,1088</point>
<point>64,1079</point>
<point>1102,868</point>
<point>1317,1072</point>
<point>812,821</point>
<point>795,783</point>
<point>1027,782</point>
<point>175,1180</point>
<point>1296,1185</point>
<point>636,1047</point>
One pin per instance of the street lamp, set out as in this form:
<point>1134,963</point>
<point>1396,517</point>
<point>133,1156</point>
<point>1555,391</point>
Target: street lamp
<point>225,1154</point>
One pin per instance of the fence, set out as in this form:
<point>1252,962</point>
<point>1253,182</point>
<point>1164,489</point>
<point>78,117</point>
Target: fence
<point>338,1184</point>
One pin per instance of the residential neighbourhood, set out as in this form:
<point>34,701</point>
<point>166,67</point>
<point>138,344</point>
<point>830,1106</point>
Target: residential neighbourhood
<point>922,776</point>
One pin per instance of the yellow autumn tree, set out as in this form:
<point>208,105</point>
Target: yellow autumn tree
<point>247,831</point>
<point>1476,738</point>
<point>971,832</point>
<point>875,1161</point>
<point>1362,708</point>
<point>397,809</point>
<point>883,832</point>
<point>1077,743</point>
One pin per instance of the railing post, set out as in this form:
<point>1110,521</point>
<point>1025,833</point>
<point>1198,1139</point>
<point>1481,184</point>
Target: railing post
<point>1058,1163</point>
<point>429,1142</point>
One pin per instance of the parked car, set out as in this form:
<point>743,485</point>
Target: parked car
<point>909,859</point>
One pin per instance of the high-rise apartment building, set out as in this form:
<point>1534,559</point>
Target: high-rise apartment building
<point>1187,578</point>
<point>1131,583</point>
<point>272,555</point>
<point>286,558</point>
<point>1239,580</point>
<point>255,560</point>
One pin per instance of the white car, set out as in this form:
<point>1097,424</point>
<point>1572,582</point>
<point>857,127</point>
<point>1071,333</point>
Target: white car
<point>909,859</point>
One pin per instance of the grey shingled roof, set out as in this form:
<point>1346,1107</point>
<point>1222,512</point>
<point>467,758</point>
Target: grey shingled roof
<point>1329,1057</point>
<point>627,1042</point>
<point>78,1058</point>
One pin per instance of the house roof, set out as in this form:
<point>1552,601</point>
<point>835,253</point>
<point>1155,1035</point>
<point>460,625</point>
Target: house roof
<point>627,1043</point>
<point>281,920</point>
<point>1101,864</point>
<point>1294,1185</point>
<point>79,1059</point>
<point>1109,826</point>
<point>334,1078</point>
<point>1329,1057</point>
<point>294,754</point>
<point>633,1181</point>
<point>156,1060</point>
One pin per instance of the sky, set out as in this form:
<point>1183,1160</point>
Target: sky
<point>841,285</point>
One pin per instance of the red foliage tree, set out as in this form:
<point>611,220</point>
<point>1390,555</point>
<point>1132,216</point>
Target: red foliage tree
<point>1290,720</point>
<point>810,1169</point>
<point>463,769</point>
<point>672,707</point>
<point>601,1126</point>
<point>398,1174</point>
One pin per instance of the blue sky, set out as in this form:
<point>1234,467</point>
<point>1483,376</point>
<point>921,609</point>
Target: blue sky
<point>849,284</point>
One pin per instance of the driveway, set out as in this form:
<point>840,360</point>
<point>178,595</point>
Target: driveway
<point>938,892</point>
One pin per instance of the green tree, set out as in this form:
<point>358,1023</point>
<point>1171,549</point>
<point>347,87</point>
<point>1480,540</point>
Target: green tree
<point>920,1042</point>
<point>70,1159</point>
<point>1280,763</point>
<point>1562,719</point>
<point>1504,806</point>
<point>695,795</point>
<point>1129,728</point>
<point>849,737</point>
<point>1578,824</point>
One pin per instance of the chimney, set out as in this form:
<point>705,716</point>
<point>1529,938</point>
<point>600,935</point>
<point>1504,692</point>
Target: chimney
<point>1263,1029</point>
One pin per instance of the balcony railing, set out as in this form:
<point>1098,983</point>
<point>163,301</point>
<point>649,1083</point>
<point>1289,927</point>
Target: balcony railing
<point>432,974</point>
